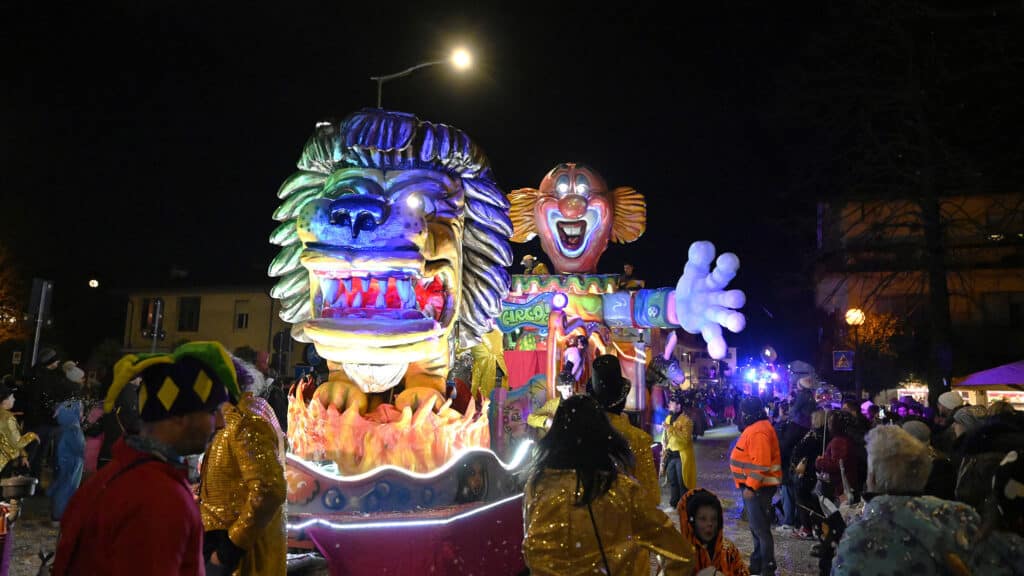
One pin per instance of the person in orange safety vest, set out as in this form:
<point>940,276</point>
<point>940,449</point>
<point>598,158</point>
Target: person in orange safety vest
<point>756,465</point>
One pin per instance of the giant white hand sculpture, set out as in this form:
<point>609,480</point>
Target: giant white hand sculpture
<point>702,305</point>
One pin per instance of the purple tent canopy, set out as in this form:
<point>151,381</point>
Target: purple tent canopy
<point>1006,376</point>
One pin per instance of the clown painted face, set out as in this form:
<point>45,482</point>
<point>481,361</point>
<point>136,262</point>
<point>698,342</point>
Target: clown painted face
<point>575,215</point>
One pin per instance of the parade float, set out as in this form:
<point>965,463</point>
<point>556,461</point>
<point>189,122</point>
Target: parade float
<point>394,243</point>
<point>575,215</point>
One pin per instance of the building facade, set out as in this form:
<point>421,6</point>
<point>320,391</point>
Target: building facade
<point>236,317</point>
<point>879,256</point>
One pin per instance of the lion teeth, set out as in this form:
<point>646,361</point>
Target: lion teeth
<point>348,284</point>
<point>406,293</point>
<point>357,300</point>
<point>329,290</point>
<point>381,303</point>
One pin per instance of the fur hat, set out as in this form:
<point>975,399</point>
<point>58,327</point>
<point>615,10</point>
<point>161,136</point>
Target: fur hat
<point>897,462</point>
<point>198,376</point>
<point>950,400</point>
<point>608,386</point>
<point>918,430</point>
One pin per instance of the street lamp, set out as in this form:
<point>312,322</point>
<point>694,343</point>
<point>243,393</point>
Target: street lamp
<point>855,318</point>
<point>460,59</point>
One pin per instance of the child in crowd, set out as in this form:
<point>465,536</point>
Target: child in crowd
<point>700,514</point>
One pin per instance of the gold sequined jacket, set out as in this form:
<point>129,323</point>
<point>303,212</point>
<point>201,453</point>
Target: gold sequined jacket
<point>242,487</point>
<point>12,441</point>
<point>560,539</point>
<point>640,443</point>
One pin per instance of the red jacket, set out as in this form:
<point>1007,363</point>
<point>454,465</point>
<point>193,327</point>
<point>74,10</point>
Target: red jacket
<point>135,516</point>
<point>840,448</point>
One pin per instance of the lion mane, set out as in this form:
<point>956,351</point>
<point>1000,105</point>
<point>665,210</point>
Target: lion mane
<point>388,140</point>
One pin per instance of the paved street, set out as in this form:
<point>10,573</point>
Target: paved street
<point>34,531</point>
<point>791,554</point>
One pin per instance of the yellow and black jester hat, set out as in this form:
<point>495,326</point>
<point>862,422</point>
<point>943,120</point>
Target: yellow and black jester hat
<point>198,376</point>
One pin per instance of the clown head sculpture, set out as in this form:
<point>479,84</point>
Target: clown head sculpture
<point>575,215</point>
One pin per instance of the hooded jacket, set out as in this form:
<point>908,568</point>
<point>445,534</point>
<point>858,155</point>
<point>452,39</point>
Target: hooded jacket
<point>722,554</point>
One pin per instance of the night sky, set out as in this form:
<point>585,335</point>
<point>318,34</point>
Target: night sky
<point>142,138</point>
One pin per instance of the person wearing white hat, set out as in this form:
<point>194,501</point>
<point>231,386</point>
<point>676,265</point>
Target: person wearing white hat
<point>943,436</point>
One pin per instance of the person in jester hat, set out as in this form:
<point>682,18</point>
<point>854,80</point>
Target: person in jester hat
<point>137,515</point>
<point>701,522</point>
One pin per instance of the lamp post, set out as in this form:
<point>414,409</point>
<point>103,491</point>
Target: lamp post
<point>855,318</point>
<point>460,59</point>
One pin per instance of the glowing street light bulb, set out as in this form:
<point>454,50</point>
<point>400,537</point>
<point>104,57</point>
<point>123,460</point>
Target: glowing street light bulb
<point>855,317</point>
<point>462,59</point>
<point>94,283</point>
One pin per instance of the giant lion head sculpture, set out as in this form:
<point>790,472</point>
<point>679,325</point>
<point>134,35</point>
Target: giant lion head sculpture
<point>393,233</point>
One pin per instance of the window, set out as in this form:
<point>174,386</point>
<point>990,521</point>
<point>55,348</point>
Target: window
<point>144,320</point>
<point>188,314</point>
<point>241,315</point>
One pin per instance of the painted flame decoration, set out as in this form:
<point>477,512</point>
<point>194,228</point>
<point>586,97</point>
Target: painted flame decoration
<point>419,441</point>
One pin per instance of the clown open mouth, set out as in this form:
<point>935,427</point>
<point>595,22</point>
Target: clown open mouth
<point>572,233</point>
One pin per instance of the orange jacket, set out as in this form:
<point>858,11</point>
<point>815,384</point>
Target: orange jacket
<point>756,461</point>
<point>721,554</point>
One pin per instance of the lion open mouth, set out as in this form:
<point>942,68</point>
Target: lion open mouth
<point>395,295</point>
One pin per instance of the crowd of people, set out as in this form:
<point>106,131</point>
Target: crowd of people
<point>880,491</point>
<point>124,489</point>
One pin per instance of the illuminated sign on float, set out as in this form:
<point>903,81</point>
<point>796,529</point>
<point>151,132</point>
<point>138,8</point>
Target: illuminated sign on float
<point>534,312</point>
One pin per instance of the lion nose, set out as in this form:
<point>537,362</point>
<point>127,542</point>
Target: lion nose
<point>358,212</point>
<point>572,206</point>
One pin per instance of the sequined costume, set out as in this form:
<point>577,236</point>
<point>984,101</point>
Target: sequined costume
<point>242,486</point>
<point>560,538</point>
<point>908,535</point>
<point>640,443</point>
<point>12,441</point>
<point>679,438</point>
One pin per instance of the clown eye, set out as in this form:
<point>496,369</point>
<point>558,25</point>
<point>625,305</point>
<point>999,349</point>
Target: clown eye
<point>582,184</point>
<point>581,188</point>
<point>562,185</point>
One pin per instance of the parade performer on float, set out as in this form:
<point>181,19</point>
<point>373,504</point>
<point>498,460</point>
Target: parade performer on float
<point>242,486</point>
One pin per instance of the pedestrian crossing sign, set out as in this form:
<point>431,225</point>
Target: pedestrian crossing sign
<point>842,360</point>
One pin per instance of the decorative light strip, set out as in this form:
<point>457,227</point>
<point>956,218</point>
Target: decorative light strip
<point>402,524</point>
<point>521,452</point>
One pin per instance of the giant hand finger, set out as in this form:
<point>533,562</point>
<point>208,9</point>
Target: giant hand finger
<point>725,317</point>
<point>712,334</point>
<point>697,267</point>
<point>725,270</point>
<point>728,298</point>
